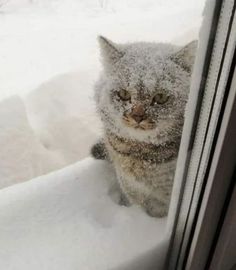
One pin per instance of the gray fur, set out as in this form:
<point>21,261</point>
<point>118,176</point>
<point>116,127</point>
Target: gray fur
<point>99,151</point>
<point>144,153</point>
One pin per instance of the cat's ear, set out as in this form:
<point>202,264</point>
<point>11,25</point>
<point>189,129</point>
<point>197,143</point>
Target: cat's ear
<point>110,52</point>
<point>186,56</point>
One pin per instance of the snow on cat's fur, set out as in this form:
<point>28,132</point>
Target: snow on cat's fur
<point>141,97</point>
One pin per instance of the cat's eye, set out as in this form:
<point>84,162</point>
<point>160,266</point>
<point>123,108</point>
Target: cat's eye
<point>124,95</point>
<point>160,98</point>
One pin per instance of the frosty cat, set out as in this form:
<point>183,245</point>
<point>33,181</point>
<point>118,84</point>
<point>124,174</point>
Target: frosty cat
<point>141,97</point>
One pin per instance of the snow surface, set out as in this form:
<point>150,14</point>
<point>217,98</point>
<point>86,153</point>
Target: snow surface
<point>68,220</point>
<point>22,155</point>
<point>49,61</point>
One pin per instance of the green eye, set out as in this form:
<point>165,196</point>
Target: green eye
<point>124,95</point>
<point>160,98</point>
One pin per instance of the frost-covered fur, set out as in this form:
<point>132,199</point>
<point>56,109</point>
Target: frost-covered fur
<point>142,137</point>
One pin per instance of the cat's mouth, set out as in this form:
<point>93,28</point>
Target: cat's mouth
<point>146,124</point>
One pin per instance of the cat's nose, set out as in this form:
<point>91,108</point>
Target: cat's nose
<point>138,118</point>
<point>138,113</point>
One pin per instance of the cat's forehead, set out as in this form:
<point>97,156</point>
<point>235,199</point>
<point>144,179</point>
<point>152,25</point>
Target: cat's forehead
<point>144,59</point>
<point>147,56</point>
<point>143,71</point>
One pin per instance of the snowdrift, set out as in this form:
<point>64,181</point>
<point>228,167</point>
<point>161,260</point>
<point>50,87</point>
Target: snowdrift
<point>22,155</point>
<point>68,220</point>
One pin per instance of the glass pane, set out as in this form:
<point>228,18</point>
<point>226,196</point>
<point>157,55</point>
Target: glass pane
<point>101,86</point>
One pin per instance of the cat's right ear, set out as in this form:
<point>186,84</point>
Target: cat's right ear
<point>110,52</point>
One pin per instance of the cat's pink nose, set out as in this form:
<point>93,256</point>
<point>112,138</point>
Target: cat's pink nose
<point>138,113</point>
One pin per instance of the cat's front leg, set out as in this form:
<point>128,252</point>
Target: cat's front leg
<point>117,195</point>
<point>124,200</point>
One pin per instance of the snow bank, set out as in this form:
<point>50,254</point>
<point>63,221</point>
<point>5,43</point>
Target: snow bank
<point>63,115</point>
<point>68,220</point>
<point>22,156</point>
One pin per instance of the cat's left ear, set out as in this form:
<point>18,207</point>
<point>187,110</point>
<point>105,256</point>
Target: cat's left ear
<point>186,56</point>
<point>110,52</point>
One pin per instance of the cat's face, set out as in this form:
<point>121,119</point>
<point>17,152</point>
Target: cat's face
<point>144,89</point>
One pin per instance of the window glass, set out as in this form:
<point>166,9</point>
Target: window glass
<point>92,106</point>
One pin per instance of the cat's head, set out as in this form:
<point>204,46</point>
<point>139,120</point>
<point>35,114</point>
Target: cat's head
<point>144,88</point>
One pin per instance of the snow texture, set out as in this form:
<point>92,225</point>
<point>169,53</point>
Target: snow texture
<point>50,61</point>
<point>68,220</point>
<point>22,155</point>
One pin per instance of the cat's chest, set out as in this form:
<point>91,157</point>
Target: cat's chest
<point>142,152</point>
<point>140,161</point>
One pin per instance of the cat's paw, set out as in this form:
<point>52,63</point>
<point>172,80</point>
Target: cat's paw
<point>160,213</point>
<point>99,151</point>
<point>155,208</point>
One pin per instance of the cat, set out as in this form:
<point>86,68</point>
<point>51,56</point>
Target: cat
<point>141,97</point>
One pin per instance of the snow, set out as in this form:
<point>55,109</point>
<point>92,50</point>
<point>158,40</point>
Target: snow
<point>49,62</point>
<point>22,155</point>
<point>68,220</point>
<point>62,113</point>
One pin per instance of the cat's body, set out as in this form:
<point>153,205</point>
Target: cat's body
<point>141,98</point>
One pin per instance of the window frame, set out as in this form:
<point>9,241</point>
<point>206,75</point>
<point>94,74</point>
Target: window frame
<point>212,81</point>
